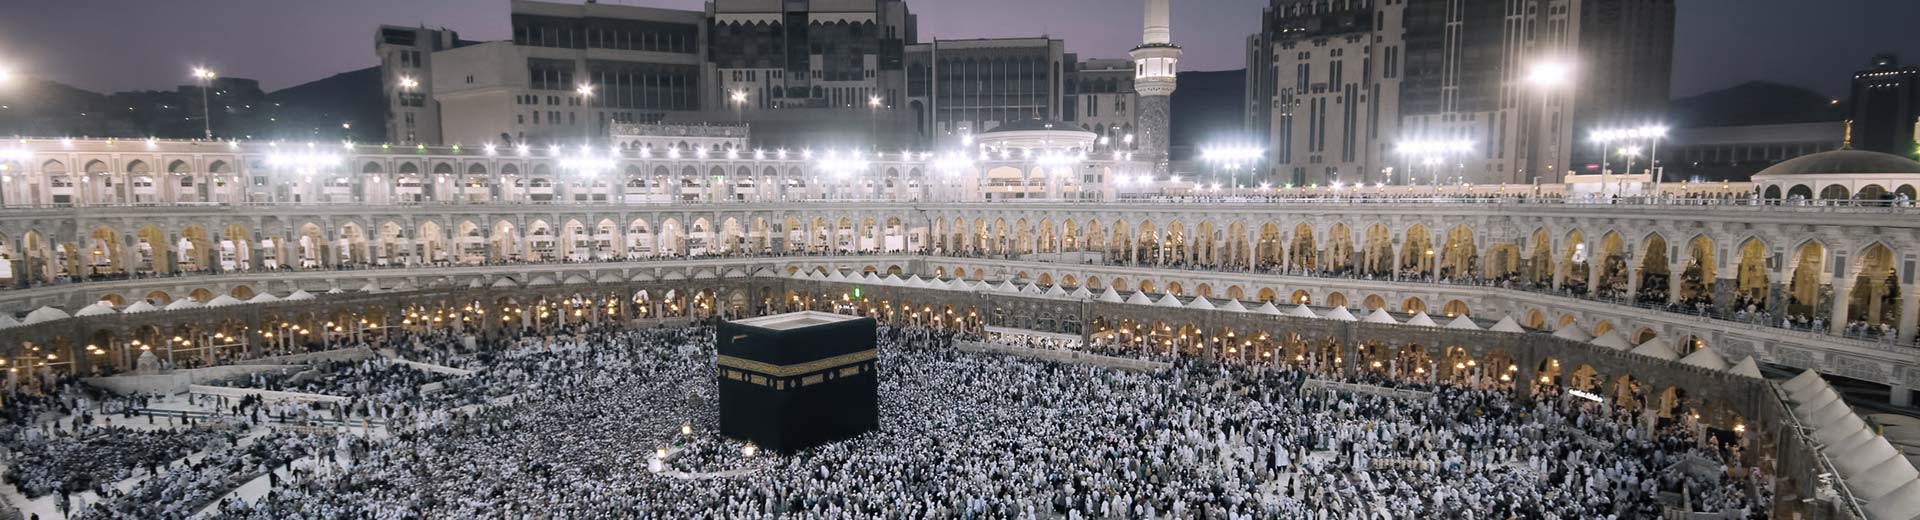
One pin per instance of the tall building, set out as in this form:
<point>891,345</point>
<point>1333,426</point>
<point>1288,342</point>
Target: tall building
<point>811,54</point>
<point>801,73</point>
<point>811,73</point>
<point>1100,98</point>
<point>1156,69</point>
<point>1467,80</point>
<point>972,86</point>
<point>406,80</point>
<point>1886,107</point>
<point>1413,91</point>
<point>1325,89</point>
<point>639,63</point>
<point>1626,67</point>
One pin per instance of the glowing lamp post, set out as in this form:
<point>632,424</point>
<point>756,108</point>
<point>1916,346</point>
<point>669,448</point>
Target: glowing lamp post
<point>586,101</point>
<point>205,77</point>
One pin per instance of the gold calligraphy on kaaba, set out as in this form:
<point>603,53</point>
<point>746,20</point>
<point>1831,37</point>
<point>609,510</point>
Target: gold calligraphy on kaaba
<point>798,368</point>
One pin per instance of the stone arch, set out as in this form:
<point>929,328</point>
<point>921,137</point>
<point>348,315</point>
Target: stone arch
<point>1873,301</point>
<point>1373,302</point>
<point>1835,192</point>
<point>1304,252</point>
<point>1413,305</point>
<point>1808,296</point>
<point>1752,280</point>
<point>1655,275</point>
<point>1459,256</point>
<point>1417,255</point>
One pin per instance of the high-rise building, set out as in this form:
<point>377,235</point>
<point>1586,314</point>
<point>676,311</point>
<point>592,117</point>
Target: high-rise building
<point>812,54</point>
<point>801,73</point>
<point>1100,98</point>
<point>1626,67</point>
<point>1156,68</point>
<point>635,64</point>
<point>1886,108</point>
<point>1414,91</point>
<point>1325,89</point>
<point>406,80</point>
<point>973,86</point>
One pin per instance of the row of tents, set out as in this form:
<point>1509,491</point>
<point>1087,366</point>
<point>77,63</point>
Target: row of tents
<point>1881,479</point>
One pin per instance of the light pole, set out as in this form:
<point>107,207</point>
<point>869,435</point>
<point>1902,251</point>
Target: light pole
<point>1655,133</point>
<point>873,120</point>
<point>205,77</point>
<point>1544,76</point>
<point>407,84</point>
<point>586,102</point>
<point>1631,153</point>
<point>739,98</point>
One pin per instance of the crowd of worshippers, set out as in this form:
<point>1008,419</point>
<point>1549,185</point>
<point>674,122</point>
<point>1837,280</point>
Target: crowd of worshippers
<point>568,424</point>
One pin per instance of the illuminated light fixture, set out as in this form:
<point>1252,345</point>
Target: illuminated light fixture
<point>1550,73</point>
<point>953,163</point>
<point>1433,147</point>
<point>842,167</point>
<point>587,164</point>
<point>1629,134</point>
<point>1057,159</point>
<point>1232,154</point>
<point>302,160</point>
<point>489,148</point>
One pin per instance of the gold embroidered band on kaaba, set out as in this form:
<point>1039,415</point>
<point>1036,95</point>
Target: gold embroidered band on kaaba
<point>800,368</point>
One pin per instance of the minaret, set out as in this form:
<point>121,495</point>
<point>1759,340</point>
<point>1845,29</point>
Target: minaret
<point>1155,62</point>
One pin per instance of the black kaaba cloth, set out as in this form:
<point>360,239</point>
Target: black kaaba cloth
<point>798,380</point>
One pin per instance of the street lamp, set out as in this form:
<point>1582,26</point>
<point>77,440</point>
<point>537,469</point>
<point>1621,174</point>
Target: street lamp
<point>873,120</point>
<point>1631,153</point>
<point>1649,133</point>
<point>1550,74</point>
<point>1430,152</point>
<point>739,98</point>
<point>1544,76</point>
<point>205,77</point>
<point>1232,157</point>
<point>585,90</point>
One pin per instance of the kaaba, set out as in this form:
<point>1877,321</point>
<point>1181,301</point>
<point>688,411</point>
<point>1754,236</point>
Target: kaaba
<point>793,381</point>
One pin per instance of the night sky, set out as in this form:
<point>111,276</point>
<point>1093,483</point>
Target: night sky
<point>111,45</point>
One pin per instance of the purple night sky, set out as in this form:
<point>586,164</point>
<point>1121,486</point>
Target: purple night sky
<point>110,45</point>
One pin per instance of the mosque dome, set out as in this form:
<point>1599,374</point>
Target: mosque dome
<point>1843,162</point>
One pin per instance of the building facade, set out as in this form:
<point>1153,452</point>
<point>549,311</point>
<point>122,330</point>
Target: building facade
<point>1626,68</point>
<point>1886,108</point>
<point>406,81</point>
<point>637,64</point>
<point>1362,91</point>
<point>1327,82</point>
<point>1735,153</point>
<point>1100,98</point>
<point>960,87</point>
